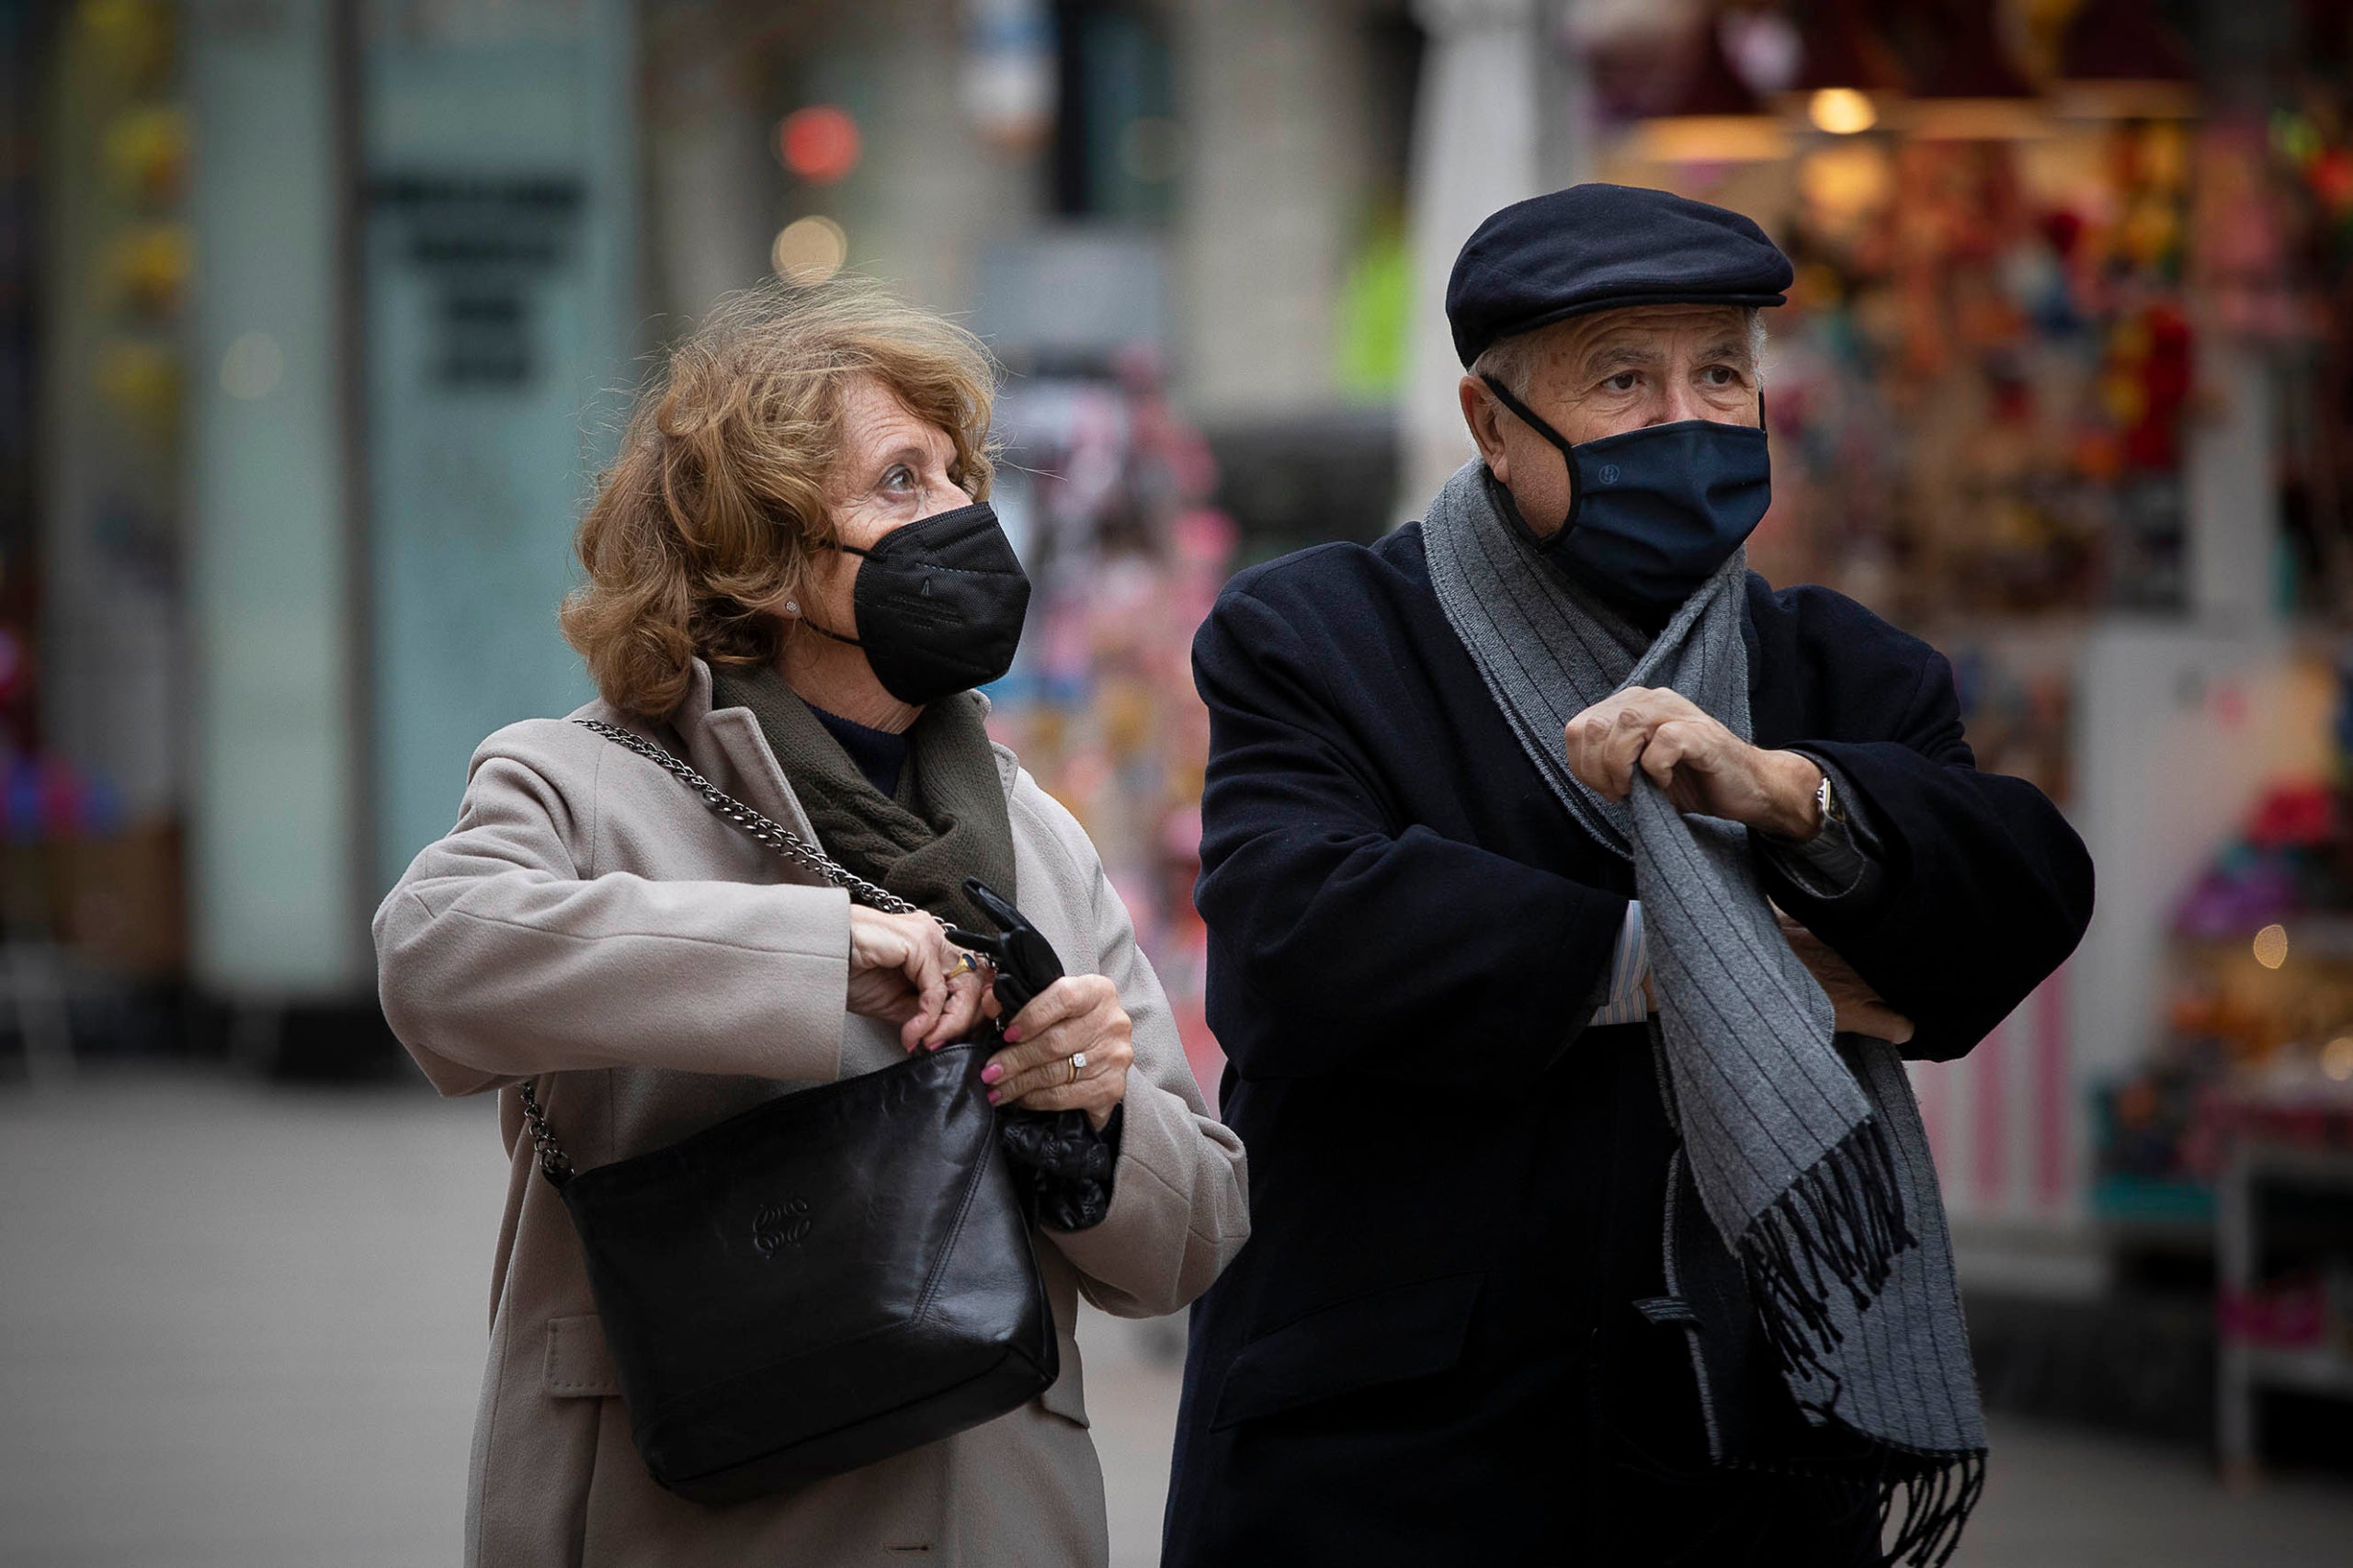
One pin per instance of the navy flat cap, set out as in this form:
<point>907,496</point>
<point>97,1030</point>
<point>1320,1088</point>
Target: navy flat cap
<point>1598,247</point>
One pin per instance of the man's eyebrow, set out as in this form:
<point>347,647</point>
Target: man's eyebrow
<point>1727,348</point>
<point>1605,354</point>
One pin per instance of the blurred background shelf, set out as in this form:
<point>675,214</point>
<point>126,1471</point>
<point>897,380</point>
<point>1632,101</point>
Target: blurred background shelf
<point>2286,1289</point>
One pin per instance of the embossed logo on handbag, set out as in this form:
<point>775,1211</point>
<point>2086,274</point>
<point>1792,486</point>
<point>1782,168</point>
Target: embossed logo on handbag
<point>781,1225</point>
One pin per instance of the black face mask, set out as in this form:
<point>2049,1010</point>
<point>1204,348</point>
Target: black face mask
<point>940,603</point>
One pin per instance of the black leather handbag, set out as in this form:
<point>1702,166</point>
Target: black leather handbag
<point>834,1277</point>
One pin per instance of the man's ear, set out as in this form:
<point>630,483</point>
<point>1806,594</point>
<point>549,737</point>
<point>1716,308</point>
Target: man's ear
<point>1483,415</point>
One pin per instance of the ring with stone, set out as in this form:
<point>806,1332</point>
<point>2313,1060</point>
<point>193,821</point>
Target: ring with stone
<point>964,965</point>
<point>1077,1065</point>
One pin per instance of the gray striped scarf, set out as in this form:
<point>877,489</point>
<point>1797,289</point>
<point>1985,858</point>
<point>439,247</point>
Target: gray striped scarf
<point>1805,1146</point>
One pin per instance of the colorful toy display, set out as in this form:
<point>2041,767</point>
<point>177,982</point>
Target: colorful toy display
<point>1108,490</point>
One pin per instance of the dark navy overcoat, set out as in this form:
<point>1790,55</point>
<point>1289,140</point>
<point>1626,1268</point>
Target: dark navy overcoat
<point>1427,1352</point>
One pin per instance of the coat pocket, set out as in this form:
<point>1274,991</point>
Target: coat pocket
<point>578,1365</point>
<point>1405,1331</point>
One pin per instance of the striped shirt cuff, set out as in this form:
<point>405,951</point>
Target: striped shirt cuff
<point>1625,1002</point>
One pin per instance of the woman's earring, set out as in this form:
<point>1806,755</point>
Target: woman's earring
<point>792,607</point>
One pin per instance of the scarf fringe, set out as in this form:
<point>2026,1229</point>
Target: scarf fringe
<point>1926,1499</point>
<point>1937,1500</point>
<point>1841,1224</point>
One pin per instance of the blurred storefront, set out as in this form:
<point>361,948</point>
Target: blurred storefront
<point>316,319</point>
<point>327,309</point>
<point>2064,386</point>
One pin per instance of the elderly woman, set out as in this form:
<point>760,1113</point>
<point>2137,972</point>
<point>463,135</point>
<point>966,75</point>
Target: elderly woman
<point>758,566</point>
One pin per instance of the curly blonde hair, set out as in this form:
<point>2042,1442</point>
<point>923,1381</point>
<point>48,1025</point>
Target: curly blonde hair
<point>712,513</point>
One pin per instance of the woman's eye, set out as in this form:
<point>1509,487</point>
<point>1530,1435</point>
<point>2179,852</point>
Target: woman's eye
<point>898,476</point>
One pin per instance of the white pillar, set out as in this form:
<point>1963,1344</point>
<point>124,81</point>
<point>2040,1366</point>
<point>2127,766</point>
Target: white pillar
<point>2177,730</point>
<point>275,910</point>
<point>932,193</point>
<point>716,192</point>
<point>500,148</point>
<point>1272,95</point>
<point>1475,149</point>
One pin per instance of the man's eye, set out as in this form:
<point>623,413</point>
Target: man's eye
<point>1720,375</point>
<point>1624,380</point>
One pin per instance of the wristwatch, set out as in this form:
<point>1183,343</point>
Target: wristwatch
<point>1825,802</point>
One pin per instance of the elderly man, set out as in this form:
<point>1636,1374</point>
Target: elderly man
<point>1572,896</point>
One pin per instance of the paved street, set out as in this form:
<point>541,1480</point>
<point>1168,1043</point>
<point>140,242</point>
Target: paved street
<point>241,1328</point>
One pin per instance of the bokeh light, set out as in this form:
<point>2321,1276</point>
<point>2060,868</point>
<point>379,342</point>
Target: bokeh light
<point>809,250</point>
<point>1842,112</point>
<point>2271,945</point>
<point>820,143</point>
<point>251,368</point>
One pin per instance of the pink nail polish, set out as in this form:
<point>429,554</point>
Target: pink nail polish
<point>991,1074</point>
<point>1013,1037</point>
<point>993,1097</point>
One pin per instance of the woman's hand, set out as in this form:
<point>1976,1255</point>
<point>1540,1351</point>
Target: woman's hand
<point>899,972</point>
<point>1078,1014</point>
<point>1857,1009</point>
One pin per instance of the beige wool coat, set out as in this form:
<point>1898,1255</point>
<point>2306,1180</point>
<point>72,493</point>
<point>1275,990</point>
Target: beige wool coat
<point>590,925</point>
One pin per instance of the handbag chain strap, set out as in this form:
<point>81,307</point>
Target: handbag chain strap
<point>762,829</point>
<point>554,1164</point>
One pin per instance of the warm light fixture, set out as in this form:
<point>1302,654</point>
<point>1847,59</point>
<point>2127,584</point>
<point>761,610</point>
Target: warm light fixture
<point>1847,77</point>
<point>1841,111</point>
<point>2120,60</point>
<point>1715,118</point>
<point>1975,93</point>
<point>1839,46</point>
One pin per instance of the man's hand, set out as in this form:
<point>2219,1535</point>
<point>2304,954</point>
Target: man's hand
<point>1859,1009</point>
<point>1703,767</point>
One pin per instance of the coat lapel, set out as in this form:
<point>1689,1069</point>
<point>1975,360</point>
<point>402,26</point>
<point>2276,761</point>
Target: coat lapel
<point>725,747</point>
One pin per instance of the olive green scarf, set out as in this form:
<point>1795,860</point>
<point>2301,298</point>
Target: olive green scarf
<point>948,821</point>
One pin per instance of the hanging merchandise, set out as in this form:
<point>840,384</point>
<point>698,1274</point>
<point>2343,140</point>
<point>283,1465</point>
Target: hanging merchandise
<point>1106,490</point>
<point>1979,388</point>
<point>1994,362</point>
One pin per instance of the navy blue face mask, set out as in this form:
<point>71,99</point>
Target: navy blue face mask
<point>1653,512</point>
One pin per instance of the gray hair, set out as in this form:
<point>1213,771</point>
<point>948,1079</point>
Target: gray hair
<point>1511,360</point>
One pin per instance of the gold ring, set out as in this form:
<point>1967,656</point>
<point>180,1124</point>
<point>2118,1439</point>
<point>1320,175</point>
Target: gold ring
<point>964,965</point>
<point>1077,1065</point>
